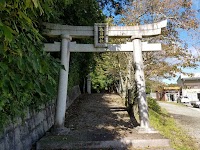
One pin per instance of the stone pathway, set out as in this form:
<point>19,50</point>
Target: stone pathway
<point>100,121</point>
<point>100,113</point>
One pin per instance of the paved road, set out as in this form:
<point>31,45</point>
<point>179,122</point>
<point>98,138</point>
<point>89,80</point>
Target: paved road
<point>187,117</point>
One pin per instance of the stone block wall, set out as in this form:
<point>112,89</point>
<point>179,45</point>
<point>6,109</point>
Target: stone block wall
<point>21,135</point>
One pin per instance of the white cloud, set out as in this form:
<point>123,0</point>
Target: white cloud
<point>194,51</point>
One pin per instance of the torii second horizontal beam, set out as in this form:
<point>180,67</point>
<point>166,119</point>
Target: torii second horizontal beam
<point>128,47</point>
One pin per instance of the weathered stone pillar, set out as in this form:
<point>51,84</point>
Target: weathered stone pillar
<point>88,84</point>
<point>63,83</point>
<point>140,82</point>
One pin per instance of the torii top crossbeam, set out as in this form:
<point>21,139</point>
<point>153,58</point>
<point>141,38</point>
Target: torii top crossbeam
<point>122,31</point>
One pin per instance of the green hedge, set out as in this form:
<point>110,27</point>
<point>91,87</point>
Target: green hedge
<point>28,75</point>
<point>152,104</point>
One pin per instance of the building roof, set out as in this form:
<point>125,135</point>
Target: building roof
<point>171,88</point>
<point>195,76</point>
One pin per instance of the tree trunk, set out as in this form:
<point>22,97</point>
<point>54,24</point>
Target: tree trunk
<point>131,110</point>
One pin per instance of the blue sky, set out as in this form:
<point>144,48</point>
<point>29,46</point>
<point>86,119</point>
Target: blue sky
<point>174,80</point>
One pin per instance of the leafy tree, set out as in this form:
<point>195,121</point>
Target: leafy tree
<point>85,13</point>
<point>113,7</point>
<point>175,55</point>
<point>104,75</point>
<point>181,17</point>
<point>28,74</point>
<point>154,85</point>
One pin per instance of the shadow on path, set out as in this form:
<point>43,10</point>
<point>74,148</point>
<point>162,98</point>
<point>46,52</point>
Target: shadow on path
<point>100,116</point>
<point>98,121</point>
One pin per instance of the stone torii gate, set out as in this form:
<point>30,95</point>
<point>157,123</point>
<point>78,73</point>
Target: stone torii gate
<point>101,32</point>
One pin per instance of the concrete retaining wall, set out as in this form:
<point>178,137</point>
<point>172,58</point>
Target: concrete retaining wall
<point>23,134</point>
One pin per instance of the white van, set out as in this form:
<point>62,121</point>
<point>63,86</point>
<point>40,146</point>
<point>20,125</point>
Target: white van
<point>183,99</point>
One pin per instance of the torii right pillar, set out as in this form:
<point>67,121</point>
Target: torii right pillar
<point>140,82</point>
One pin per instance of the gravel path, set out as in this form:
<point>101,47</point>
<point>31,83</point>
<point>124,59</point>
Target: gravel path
<point>103,113</point>
<point>187,117</point>
<point>103,117</point>
<point>101,121</point>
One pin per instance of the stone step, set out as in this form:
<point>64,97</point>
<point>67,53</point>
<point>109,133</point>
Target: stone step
<point>64,142</point>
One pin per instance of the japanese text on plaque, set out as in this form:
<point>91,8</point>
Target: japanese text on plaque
<point>101,35</point>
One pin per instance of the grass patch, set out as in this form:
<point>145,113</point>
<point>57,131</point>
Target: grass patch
<point>166,125</point>
<point>178,104</point>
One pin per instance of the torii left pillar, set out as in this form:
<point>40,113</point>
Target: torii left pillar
<point>63,83</point>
